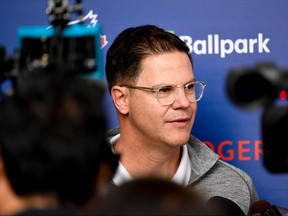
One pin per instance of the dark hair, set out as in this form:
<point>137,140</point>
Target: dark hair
<point>123,60</point>
<point>151,196</point>
<point>52,138</point>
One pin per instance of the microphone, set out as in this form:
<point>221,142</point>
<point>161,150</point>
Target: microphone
<point>264,208</point>
<point>259,206</point>
<point>222,206</point>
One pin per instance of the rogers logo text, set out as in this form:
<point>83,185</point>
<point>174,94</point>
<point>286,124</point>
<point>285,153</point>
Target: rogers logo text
<point>213,44</point>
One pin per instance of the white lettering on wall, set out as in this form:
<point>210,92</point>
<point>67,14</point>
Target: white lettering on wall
<point>223,47</point>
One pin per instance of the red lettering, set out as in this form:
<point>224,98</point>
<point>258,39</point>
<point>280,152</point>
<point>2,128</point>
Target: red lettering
<point>242,150</point>
<point>257,149</point>
<point>230,151</point>
<point>210,145</point>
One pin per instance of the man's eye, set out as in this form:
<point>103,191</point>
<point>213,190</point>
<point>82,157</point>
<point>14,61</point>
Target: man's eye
<point>166,89</point>
<point>190,86</point>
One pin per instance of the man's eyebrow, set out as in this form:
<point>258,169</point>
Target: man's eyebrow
<point>192,80</point>
<point>166,84</point>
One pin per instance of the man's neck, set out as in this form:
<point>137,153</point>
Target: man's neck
<point>141,160</point>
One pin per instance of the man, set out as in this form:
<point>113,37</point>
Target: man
<point>54,155</point>
<point>151,80</point>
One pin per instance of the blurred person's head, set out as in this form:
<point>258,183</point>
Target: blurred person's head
<point>52,141</point>
<point>151,196</point>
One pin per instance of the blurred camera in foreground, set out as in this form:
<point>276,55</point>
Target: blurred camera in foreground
<point>265,86</point>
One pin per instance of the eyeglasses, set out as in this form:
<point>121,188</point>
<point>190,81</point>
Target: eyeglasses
<point>166,94</point>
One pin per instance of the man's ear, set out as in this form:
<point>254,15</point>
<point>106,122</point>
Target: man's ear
<point>120,96</point>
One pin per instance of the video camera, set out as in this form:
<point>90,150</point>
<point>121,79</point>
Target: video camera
<point>75,48</point>
<point>265,86</point>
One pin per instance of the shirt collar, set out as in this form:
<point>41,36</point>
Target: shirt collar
<point>183,172</point>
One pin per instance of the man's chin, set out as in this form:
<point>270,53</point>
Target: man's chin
<point>180,140</point>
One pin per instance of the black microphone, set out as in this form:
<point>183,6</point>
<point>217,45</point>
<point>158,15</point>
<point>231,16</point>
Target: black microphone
<point>222,206</point>
<point>264,208</point>
<point>273,211</point>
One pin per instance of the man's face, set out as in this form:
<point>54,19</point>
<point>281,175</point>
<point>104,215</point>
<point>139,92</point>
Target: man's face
<point>155,123</point>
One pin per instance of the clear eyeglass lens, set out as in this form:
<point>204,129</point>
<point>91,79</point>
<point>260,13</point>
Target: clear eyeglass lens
<point>167,94</point>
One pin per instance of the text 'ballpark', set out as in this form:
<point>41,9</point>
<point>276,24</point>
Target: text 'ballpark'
<point>215,45</point>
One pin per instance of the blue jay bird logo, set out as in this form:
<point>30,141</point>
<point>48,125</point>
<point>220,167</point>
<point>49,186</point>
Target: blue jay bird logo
<point>91,17</point>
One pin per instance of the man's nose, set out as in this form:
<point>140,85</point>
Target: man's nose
<point>181,99</point>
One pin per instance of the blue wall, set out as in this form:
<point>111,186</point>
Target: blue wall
<point>234,133</point>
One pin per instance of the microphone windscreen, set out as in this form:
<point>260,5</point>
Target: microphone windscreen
<point>259,206</point>
<point>222,206</point>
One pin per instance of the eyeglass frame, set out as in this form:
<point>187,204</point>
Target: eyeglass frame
<point>156,90</point>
